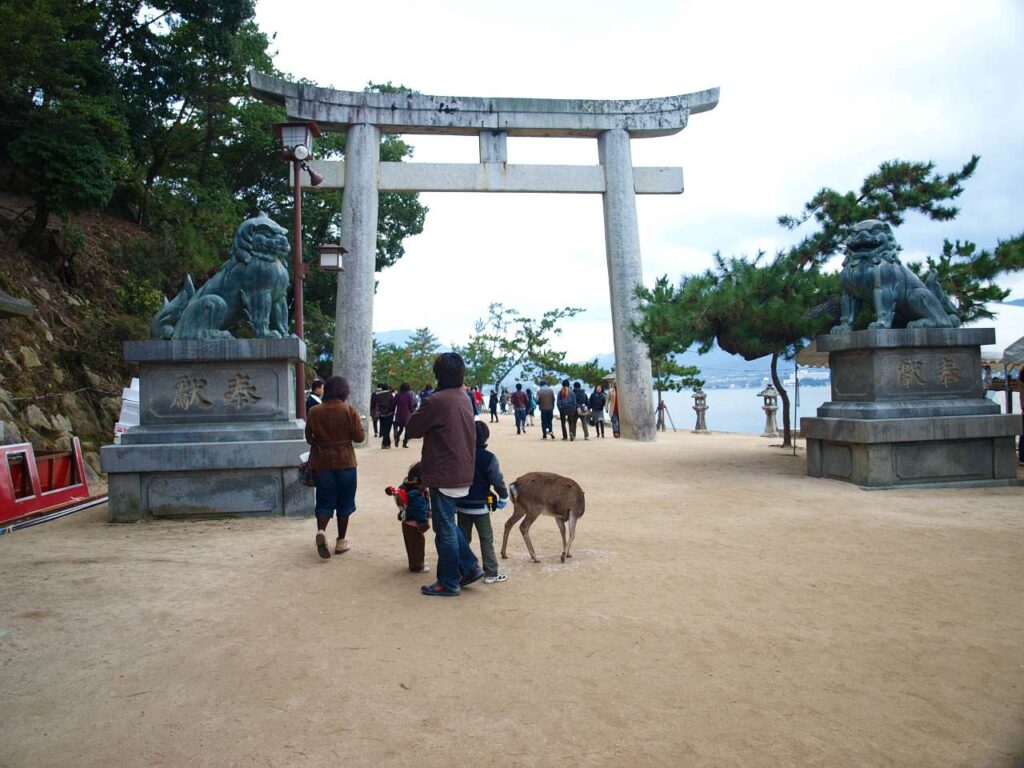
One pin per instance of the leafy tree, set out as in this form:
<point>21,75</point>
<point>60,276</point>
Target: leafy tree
<point>507,339</point>
<point>968,275</point>
<point>657,331</point>
<point>755,308</point>
<point>590,373</point>
<point>61,128</point>
<point>411,362</point>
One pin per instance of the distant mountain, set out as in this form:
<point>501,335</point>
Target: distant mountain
<point>1015,302</point>
<point>719,368</point>
<point>393,337</point>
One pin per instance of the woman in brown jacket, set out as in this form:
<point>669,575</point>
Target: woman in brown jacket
<point>331,429</point>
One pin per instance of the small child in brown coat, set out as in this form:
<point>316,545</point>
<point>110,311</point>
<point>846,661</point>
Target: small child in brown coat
<point>414,513</point>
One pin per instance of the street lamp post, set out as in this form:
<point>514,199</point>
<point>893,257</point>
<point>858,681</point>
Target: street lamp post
<point>297,147</point>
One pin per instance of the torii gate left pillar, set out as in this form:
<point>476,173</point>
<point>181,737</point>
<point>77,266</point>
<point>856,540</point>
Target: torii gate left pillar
<point>362,175</point>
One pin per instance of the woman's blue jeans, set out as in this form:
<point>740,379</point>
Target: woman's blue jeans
<point>454,557</point>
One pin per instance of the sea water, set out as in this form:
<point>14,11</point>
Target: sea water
<point>738,410</point>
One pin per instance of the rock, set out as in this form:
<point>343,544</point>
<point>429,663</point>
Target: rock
<point>48,336</point>
<point>62,424</point>
<point>10,358</point>
<point>73,301</point>
<point>80,412</point>
<point>9,433</point>
<point>36,418</point>
<point>29,358</point>
<point>92,378</point>
<point>5,399</point>
<point>43,294</point>
<point>57,374</point>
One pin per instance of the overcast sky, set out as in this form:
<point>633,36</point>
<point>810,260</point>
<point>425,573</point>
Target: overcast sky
<point>813,94</point>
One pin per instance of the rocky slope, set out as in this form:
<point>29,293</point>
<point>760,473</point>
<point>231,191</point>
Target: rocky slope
<point>60,369</point>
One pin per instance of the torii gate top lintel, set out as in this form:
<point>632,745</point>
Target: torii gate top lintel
<point>464,115</point>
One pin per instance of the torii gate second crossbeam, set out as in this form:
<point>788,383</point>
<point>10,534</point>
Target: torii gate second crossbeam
<point>613,123</point>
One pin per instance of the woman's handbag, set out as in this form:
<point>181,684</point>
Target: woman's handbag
<point>307,475</point>
<point>582,410</point>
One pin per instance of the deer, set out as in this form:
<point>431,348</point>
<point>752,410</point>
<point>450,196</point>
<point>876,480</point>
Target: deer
<point>544,493</point>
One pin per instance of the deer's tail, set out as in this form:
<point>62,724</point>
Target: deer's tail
<point>513,491</point>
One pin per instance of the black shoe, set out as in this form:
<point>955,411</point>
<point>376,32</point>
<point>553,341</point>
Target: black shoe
<point>321,545</point>
<point>465,581</point>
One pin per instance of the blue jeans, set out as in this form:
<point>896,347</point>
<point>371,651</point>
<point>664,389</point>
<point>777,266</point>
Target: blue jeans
<point>454,557</point>
<point>335,490</point>
<point>520,419</point>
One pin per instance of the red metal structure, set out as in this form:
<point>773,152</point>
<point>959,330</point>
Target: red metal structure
<point>33,484</point>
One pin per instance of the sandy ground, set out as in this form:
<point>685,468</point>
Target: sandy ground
<point>722,610</point>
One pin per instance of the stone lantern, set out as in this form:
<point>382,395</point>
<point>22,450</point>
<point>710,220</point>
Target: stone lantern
<point>700,405</point>
<point>771,405</point>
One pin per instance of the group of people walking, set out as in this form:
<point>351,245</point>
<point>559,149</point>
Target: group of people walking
<point>576,409</point>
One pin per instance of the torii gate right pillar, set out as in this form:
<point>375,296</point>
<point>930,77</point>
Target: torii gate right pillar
<point>633,382</point>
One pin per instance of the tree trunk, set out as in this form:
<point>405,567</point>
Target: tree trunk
<point>660,423</point>
<point>33,236</point>
<point>786,436</point>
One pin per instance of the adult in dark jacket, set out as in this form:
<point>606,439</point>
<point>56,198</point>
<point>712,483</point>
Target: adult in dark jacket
<point>331,430</point>
<point>386,412</point>
<point>546,404</point>
<point>492,404</point>
<point>567,410</point>
<point>582,404</point>
<point>445,422</point>
<point>405,404</point>
<point>316,394</point>
<point>597,401</point>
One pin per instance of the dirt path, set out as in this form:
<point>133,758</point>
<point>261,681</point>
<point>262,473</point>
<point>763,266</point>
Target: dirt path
<point>722,610</point>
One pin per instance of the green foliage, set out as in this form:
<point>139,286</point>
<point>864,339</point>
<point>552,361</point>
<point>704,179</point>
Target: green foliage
<point>968,275</point>
<point>590,374</point>
<point>411,363</point>
<point>137,296</point>
<point>507,339</point>
<point>658,330</point>
<point>144,109</point>
<point>887,194</point>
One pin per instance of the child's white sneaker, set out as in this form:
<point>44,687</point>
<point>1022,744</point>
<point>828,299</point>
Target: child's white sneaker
<point>495,579</point>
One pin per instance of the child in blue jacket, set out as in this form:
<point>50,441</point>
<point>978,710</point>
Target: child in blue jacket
<point>473,508</point>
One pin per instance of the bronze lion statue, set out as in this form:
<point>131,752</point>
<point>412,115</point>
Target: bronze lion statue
<point>251,286</point>
<point>872,272</point>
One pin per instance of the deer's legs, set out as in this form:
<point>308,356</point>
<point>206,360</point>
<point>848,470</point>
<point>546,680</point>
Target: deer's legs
<point>572,534</point>
<point>516,515</point>
<point>561,530</point>
<point>524,528</point>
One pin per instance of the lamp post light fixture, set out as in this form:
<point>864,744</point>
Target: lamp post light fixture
<point>330,257</point>
<point>297,147</point>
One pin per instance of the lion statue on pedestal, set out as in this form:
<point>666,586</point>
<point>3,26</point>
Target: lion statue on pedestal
<point>251,286</point>
<point>872,272</point>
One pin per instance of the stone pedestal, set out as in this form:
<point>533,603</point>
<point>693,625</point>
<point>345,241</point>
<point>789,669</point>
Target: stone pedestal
<point>217,435</point>
<point>908,408</point>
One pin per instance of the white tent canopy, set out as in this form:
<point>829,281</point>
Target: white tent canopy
<point>1009,325</point>
<point>1008,348</point>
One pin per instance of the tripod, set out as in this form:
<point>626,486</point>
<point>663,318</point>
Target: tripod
<point>662,413</point>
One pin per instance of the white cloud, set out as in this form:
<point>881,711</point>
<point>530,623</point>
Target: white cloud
<point>813,94</point>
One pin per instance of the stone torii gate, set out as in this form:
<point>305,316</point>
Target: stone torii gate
<point>613,123</point>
